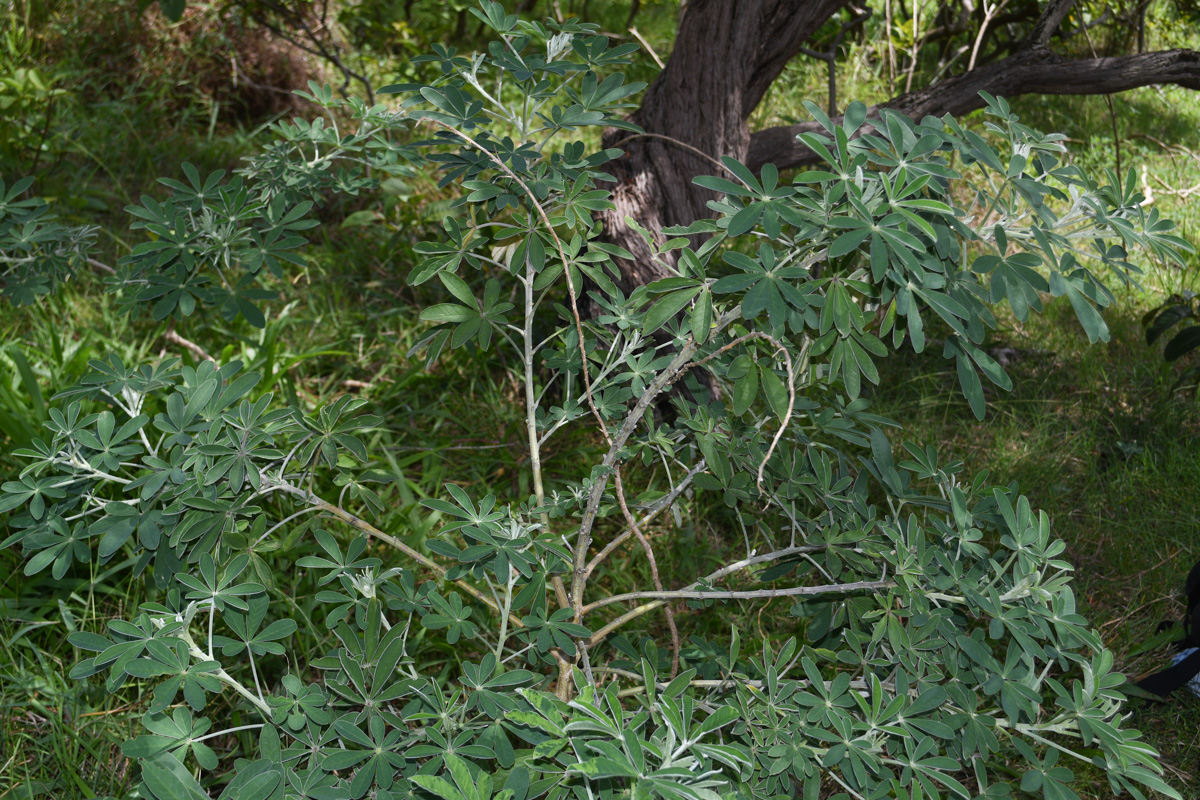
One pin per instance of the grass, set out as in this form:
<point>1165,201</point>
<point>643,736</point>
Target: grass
<point>1092,433</point>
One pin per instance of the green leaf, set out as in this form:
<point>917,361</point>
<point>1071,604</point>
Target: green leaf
<point>1182,343</point>
<point>775,390</point>
<point>745,391</point>
<point>718,719</point>
<point>745,219</point>
<point>438,786</point>
<point>702,316</point>
<point>666,308</point>
<point>971,387</point>
<point>600,768</point>
<point>167,779</point>
<point>448,312</point>
<point>1093,324</point>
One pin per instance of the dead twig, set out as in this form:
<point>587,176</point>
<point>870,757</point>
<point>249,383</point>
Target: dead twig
<point>649,49</point>
<point>174,338</point>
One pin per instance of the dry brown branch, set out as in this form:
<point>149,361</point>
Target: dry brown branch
<point>174,338</point>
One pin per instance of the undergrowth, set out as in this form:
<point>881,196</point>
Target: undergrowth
<point>1094,432</point>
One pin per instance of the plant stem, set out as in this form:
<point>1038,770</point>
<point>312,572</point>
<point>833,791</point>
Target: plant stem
<point>653,560</point>
<point>226,678</point>
<point>749,594</point>
<point>214,734</point>
<point>660,505</point>
<point>508,597</point>
<point>729,569</point>
<point>583,540</point>
<point>371,530</point>
<point>531,406</point>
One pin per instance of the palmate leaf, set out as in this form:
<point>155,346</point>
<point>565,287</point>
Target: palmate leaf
<point>450,614</point>
<point>555,630</point>
<point>463,786</point>
<point>177,734</point>
<point>336,563</point>
<point>246,629</point>
<point>221,592</point>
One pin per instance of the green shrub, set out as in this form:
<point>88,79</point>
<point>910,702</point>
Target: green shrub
<point>936,648</point>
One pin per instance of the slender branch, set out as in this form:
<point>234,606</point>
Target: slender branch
<point>253,727</point>
<point>316,47</point>
<point>989,14</point>
<point>676,142</point>
<point>830,56</point>
<point>562,255</point>
<point>223,676</point>
<point>1050,21</point>
<point>728,569</point>
<point>637,35</point>
<point>658,584</point>
<point>665,378</point>
<point>663,503</point>
<point>195,349</point>
<point>791,387</point>
<point>370,530</point>
<point>559,588</point>
<point>100,265</point>
<point>747,594</point>
<point>1034,70</point>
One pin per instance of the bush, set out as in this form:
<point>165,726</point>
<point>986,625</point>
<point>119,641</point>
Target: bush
<point>936,649</point>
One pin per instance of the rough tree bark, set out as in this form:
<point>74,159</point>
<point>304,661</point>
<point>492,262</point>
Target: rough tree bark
<point>727,54</point>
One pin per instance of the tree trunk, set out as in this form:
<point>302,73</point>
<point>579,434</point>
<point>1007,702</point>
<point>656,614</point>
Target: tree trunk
<point>727,54</point>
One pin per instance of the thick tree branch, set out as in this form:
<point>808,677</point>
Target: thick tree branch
<point>1035,70</point>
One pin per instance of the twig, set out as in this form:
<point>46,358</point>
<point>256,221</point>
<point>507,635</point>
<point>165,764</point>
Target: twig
<point>660,384</point>
<point>331,53</point>
<point>371,531</point>
<point>100,265</point>
<point>649,49</point>
<point>195,349</point>
<point>599,635</point>
<point>742,594</point>
<point>1170,149</point>
<point>559,588</point>
<point>830,56</point>
<point>662,503</point>
<point>988,15</point>
<point>1112,111</point>
<point>658,584</point>
<point>239,73</point>
<point>675,141</point>
<point>728,569</point>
